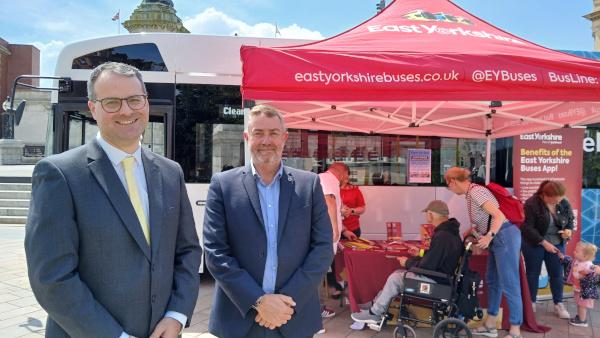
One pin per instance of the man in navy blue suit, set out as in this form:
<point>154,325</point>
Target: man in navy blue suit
<point>267,239</point>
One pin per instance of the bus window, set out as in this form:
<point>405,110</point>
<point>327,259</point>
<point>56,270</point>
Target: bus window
<point>209,123</point>
<point>144,56</point>
<point>81,127</point>
<point>75,132</point>
<point>154,136</point>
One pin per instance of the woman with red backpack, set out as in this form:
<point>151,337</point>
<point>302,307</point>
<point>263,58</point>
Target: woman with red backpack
<point>502,239</point>
<point>548,224</point>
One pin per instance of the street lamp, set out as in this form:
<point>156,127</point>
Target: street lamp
<point>6,104</point>
<point>7,124</point>
<point>10,116</point>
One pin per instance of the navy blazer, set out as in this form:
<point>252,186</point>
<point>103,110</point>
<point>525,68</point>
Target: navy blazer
<point>235,245</point>
<point>89,264</point>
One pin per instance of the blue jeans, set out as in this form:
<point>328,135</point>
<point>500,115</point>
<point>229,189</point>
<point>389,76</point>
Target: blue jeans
<point>503,272</point>
<point>534,256</point>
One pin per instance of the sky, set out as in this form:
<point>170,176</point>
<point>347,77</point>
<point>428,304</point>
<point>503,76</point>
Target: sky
<point>52,24</point>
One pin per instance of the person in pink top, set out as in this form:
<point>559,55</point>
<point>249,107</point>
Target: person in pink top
<point>583,265</point>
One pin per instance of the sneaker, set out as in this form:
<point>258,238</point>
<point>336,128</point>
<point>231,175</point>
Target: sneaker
<point>533,307</point>
<point>365,316</point>
<point>327,312</point>
<point>575,321</point>
<point>321,331</point>
<point>561,312</point>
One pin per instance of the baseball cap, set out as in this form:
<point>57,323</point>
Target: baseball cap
<point>437,206</point>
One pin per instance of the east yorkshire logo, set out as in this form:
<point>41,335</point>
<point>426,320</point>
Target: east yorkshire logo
<point>421,15</point>
<point>430,27</point>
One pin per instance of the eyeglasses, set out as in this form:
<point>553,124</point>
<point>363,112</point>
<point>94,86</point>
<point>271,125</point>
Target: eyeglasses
<point>113,104</point>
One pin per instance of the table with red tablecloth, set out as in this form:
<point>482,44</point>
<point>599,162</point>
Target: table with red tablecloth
<point>366,272</point>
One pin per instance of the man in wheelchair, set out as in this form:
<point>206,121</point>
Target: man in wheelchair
<point>443,255</point>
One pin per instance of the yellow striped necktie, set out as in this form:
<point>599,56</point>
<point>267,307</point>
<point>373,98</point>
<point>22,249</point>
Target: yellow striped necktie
<point>134,195</point>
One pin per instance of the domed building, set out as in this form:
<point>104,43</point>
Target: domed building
<point>155,16</point>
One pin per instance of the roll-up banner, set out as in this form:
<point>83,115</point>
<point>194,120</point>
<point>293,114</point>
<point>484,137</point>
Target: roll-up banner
<point>553,155</point>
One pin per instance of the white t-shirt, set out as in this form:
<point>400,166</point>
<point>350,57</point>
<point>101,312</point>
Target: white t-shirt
<point>331,186</point>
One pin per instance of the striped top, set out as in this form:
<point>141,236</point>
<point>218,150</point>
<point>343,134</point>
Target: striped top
<point>477,195</point>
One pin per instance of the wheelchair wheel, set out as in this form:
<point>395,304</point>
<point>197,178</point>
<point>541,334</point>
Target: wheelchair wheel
<point>404,332</point>
<point>452,328</point>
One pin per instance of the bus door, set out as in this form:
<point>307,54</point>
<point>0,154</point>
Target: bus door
<point>75,126</point>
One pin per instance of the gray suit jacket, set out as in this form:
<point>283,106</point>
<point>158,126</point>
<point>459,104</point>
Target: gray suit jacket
<point>89,265</point>
<point>235,244</point>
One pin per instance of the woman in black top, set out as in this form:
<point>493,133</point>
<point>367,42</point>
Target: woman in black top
<point>548,224</point>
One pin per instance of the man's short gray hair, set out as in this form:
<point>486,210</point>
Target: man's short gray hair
<point>117,68</point>
<point>268,112</point>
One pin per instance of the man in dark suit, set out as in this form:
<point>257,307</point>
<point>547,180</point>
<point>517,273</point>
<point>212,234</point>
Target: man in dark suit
<point>111,246</point>
<point>267,239</point>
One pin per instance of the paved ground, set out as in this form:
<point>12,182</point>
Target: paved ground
<point>21,316</point>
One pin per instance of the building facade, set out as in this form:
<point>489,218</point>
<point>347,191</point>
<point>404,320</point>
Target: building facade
<point>15,60</point>
<point>155,16</point>
<point>594,17</point>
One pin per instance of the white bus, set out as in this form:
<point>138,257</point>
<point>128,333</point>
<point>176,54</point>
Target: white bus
<point>193,84</point>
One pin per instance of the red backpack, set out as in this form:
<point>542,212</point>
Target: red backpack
<point>510,205</point>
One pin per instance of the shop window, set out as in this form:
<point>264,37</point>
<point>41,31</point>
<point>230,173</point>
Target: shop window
<point>383,159</point>
<point>591,157</point>
<point>372,159</point>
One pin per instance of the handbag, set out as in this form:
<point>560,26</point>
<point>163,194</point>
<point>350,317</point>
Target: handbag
<point>589,286</point>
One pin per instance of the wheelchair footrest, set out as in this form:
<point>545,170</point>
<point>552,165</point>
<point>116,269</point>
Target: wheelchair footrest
<point>377,327</point>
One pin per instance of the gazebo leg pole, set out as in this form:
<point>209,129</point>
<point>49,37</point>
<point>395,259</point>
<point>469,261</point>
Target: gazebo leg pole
<point>488,157</point>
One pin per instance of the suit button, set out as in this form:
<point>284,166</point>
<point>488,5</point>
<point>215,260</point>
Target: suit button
<point>261,254</point>
<point>153,298</point>
<point>153,267</point>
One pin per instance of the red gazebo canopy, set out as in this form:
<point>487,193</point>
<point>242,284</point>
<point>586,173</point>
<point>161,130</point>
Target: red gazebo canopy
<point>424,67</point>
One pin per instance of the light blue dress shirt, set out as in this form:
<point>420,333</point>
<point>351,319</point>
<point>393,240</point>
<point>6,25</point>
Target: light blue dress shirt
<point>116,155</point>
<point>269,206</point>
